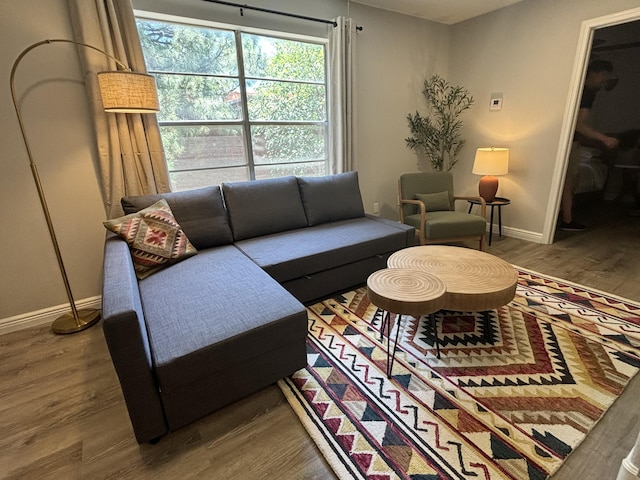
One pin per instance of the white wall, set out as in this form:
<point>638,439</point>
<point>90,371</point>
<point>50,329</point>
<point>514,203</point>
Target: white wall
<point>526,51</point>
<point>395,54</point>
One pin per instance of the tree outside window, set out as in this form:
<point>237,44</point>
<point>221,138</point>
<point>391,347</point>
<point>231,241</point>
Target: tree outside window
<point>236,106</point>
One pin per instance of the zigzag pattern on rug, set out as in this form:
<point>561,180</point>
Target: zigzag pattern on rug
<point>513,394</point>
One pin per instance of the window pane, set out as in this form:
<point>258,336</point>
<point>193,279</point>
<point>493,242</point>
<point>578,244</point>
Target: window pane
<point>188,97</point>
<point>268,57</point>
<point>311,169</point>
<point>288,143</point>
<point>199,75</point>
<point>284,101</point>
<point>204,178</point>
<point>173,47</point>
<point>201,147</point>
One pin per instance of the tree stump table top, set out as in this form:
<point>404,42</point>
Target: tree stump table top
<point>474,280</point>
<point>406,291</point>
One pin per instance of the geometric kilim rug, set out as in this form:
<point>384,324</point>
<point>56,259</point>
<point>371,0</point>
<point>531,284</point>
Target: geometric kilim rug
<point>511,396</point>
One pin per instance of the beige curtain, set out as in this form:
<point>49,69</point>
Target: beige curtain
<point>342,88</point>
<point>129,145</point>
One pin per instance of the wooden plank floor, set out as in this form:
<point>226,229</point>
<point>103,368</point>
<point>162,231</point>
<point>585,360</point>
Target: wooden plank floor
<point>62,415</point>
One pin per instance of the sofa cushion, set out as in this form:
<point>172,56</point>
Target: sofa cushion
<point>154,238</point>
<point>203,318</point>
<point>331,198</point>
<point>200,213</point>
<point>296,253</point>
<point>261,207</point>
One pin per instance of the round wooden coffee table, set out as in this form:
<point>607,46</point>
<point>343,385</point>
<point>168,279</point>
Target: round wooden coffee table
<point>475,281</point>
<point>405,292</point>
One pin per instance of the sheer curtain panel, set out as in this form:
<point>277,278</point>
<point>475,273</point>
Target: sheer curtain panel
<point>342,47</point>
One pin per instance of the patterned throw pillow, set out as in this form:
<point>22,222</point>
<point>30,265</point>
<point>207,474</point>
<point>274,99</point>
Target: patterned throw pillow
<point>154,238</point>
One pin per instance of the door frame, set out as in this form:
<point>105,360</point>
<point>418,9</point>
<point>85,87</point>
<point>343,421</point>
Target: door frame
<point>571,110</point>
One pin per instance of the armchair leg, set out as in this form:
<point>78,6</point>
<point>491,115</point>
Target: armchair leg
<point>482,243</point>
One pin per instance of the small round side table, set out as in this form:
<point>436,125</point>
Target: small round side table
<point>405,291</point>
<point>497,202</point>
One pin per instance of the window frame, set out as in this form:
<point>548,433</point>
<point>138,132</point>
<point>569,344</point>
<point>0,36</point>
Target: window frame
<point>245,123</point>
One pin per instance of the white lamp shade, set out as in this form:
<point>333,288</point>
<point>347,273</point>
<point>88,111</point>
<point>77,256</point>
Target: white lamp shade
<point>491,161</point>
<point>128,92</point>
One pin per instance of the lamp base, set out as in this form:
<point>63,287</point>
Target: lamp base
<point>67,323</point>
<point>487,188</point>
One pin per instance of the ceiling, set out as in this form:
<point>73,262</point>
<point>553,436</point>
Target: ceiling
<point>441,11</point>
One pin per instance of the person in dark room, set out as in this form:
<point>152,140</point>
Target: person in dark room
<point>598,74</point>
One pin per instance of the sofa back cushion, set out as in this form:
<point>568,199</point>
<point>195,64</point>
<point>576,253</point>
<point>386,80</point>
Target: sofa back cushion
<point>261,207</point>
<point>200,213</point>
<point>331,198</point>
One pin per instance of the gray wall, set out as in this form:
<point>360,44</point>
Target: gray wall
<point>395,53</point>
<point>506,51</point>
<point>527,52</point>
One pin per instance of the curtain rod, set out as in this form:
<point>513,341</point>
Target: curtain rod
<point>275,12</point>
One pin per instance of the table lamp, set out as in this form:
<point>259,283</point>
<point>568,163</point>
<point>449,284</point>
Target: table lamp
<point>489,162</point>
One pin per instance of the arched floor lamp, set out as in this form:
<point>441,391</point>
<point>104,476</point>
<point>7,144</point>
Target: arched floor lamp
<point>122,91</point>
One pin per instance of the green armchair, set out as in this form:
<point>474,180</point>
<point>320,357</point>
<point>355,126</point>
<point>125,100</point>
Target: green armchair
<point>427,204</point>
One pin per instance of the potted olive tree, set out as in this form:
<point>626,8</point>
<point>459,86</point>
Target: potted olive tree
<point>437,135</point>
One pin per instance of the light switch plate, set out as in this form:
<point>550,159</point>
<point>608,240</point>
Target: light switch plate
<point>496,102</point>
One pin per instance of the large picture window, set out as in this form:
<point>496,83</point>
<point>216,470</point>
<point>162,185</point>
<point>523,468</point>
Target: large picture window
<point>237,105</point>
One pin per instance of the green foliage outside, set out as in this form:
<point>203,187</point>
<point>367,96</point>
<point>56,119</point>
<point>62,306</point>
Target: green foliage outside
<point>437,135</point>
<point>285,83</point>
<point>291,102</point>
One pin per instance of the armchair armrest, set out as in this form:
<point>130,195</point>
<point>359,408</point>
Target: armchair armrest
<point>423,215</point>
<point>480,200</point>
<point>420,205</point>
<point>126,334</point>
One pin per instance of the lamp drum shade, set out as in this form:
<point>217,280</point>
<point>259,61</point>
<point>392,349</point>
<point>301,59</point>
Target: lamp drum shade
<point>489,162</point>
<point>128,92</point>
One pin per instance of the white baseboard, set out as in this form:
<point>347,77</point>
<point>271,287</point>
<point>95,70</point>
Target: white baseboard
<point>518,233</point>
<point>46,315</point>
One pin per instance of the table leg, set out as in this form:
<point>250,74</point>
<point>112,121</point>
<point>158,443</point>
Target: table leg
<point>486,316</point>
<point>491,225</point>
<point>500,220</point>
<point>434,330</point>
<point>385,322</point>
<point>395,345</point>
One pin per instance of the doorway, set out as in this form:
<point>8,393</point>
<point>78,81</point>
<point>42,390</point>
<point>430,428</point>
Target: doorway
<point>615,38</point>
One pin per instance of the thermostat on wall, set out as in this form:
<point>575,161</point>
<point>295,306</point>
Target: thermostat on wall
<point>496,101</point>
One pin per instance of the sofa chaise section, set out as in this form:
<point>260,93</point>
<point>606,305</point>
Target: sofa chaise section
<point>201,333</point>
<point>221,329</point>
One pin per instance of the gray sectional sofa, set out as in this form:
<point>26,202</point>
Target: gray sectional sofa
<point>228,321</point>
